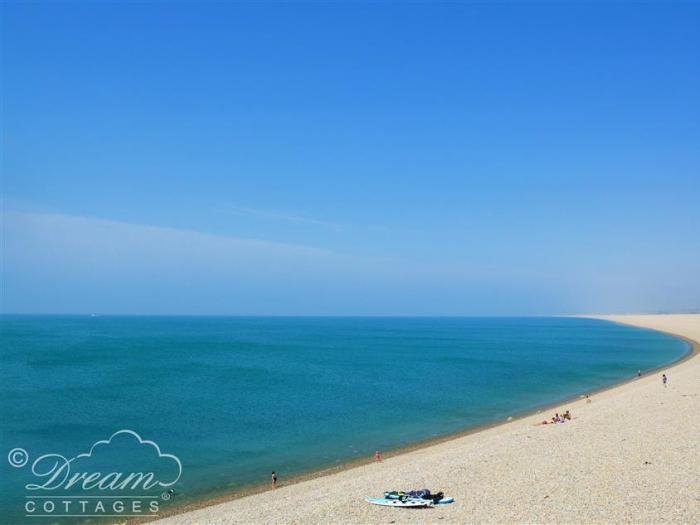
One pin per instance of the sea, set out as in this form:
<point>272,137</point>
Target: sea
<point>235,398</point>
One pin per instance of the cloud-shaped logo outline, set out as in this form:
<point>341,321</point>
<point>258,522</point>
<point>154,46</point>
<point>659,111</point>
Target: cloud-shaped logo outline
<point>141,442</point>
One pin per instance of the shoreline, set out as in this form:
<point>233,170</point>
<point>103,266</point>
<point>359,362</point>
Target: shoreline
<point>515,419</point>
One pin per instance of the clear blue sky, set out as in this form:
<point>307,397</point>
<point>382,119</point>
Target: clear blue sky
<point>359,158</point>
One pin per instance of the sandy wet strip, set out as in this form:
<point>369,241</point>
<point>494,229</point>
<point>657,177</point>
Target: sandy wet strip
<point>631,455</point>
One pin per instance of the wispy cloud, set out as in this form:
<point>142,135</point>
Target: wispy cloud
<point>59,263</point>
<point>278,215</point>
<point>63,263</point>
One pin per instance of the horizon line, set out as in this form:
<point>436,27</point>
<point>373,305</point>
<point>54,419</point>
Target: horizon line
<point>408,316</point>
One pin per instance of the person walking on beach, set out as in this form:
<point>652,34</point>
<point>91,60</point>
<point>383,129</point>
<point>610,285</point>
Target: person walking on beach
<point>274,480</point>
<point>664,379</point>
<point>639,373</point>
<point>378,456</point>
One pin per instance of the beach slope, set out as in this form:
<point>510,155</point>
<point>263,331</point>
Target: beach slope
<point>631,455</point>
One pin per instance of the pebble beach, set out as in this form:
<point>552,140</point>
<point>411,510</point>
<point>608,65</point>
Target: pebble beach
<point>630,455</point>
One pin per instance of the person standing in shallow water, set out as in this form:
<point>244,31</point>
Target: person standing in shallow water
<point>274,479</point>
<point>664,379</point>
<point>377,456</point>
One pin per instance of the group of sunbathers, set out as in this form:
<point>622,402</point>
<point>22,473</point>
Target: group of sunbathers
<point>563,418</point>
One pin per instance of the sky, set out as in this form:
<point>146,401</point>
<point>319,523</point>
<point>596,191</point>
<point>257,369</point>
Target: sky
<point>355,158</point>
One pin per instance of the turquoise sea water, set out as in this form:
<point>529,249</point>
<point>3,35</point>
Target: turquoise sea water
<point>235,398</point>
